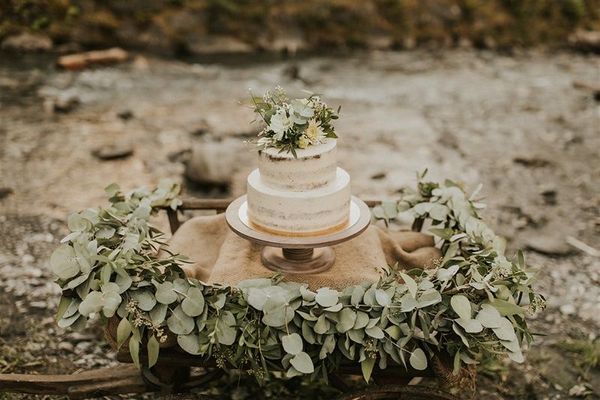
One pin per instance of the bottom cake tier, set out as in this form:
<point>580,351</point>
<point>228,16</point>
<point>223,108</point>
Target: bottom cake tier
<point>312,212</point>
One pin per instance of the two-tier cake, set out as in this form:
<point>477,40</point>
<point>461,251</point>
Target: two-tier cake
<point>306,194</point>
<point>297,189</point>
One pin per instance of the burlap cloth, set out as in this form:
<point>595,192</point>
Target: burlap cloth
<point>218,255</point>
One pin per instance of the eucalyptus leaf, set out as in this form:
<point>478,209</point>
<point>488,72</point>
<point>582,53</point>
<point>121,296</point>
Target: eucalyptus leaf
<point>193,304</point>
<point>366,367</point>
<point>347,319</point>
<point>327,297</point>
<point>165,293</point>
<point>134,351</point>
<point>489,317</point>
<point>145,300</point>
<point>410,284</point>
<point>383,299</point>
<point>63,262</point>
<point>158,313</point>
<point>123,331</point>
<point>418,360</point>
<point>189,343</point>
<point>303,363</point>
<point>461,306</point>
<point>179,323</point>
<point>292,343</point>
<point>153,349</point>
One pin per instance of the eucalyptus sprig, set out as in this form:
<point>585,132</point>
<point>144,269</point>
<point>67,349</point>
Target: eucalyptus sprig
<point>473,305</point>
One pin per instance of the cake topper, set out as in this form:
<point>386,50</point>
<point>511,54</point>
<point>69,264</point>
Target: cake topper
<point>293,124</point>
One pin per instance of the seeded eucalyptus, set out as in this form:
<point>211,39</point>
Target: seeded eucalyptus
<point>472,305</point>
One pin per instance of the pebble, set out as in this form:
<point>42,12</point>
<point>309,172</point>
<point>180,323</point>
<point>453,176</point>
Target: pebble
<point>567,309</point>
<point>113,151</point>
<point>65,346</point>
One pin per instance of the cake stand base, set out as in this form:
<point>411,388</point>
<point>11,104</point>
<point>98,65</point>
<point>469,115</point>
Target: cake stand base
<point>298,261</point>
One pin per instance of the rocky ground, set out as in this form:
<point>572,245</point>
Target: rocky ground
<point>523,125</point>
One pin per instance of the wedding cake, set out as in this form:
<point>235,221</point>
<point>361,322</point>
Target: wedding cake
<point>297,189</point>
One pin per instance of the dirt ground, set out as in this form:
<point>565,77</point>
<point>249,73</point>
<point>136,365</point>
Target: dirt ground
<point>522,125</point>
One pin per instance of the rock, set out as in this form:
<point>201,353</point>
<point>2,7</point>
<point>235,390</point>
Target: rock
<point>215,162</point>
<point>218,44</point>
<point>61,104</point>
<point>83,60</point>
<point>567,309</point>
<point>200,128</point>
<point>549,195</point>
<point>586,41</point>
<point>26,42</point>
<point>532,162</point>
<point>125,115</point>
<point>65,346</point>
<point>548,245</point>
<point>113,151</point>
<point>5,192</point>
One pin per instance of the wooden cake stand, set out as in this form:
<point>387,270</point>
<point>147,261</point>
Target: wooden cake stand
<point>297,254</point>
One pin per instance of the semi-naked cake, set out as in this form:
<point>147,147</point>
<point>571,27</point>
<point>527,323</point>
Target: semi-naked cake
<point>302,195</point>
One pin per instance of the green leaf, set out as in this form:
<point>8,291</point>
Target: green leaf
<point>394,332</point>
<point>470,325</point>
<point>165,293</point>
<point>145,299</point>
<point>193,304</point>
<point>322,325</point>
<point>506,308</point>
<point>382,298</point>
<point>505,331</point>
<point>346,320</point>
<point>357,295</point>
<point>91,304</point>
<point>366,367</point>
<point>327,297</point>
<point>179,323</point>
<point>418,360</point>
<point>134,351</point>
<point>489,317</point>
<point>123,331</point>
<point>375,332</point>
<point>410,284</point>
<point>63,262</point>
<point>429,298</point>
<point>158,313</point>
<point>461,306</point>
<point>257,298</point>
<point>226,331</point>
<point>153,350</point>
<point>303,363</point>
<point>189,343</point>
<point>292,343</point>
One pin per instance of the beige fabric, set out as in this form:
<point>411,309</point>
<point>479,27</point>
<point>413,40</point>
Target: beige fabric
<point>220,256</point>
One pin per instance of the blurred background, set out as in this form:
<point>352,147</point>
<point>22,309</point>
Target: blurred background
<point>500,92</point>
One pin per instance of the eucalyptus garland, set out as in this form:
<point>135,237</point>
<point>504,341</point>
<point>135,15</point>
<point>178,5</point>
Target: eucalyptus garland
<point>471,306</point>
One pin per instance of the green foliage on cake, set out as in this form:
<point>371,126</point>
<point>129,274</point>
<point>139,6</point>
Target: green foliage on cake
<point>293,124</point>
<point>472,306</point>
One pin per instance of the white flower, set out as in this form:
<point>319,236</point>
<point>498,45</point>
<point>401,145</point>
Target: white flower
<point>280,123</point>
<point>314,133</point>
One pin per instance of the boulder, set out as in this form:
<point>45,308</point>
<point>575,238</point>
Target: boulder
<point>27,42</point>
<point>216,162</point>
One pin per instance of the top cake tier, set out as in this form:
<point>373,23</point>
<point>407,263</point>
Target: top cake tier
<point>313,167</point>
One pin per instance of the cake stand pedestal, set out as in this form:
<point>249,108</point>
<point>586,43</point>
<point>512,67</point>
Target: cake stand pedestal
<point>297,254</point>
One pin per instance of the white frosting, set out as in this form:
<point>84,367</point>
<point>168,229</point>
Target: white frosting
<point>299,212</point>
<point>313,167</point>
